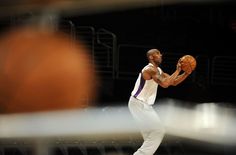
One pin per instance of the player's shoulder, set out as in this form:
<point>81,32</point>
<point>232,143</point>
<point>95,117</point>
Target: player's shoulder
<point>149,68</point>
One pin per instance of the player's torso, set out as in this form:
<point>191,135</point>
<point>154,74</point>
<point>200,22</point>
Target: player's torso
<point>145,90</point>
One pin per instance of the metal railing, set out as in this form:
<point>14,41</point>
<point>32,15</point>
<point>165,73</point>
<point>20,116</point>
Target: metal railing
<point>86,35</point>
<point>202,73</point>
<point>67,27</point>
<point>223,71</point>
<point>102,45</point>
<point>106,52</point>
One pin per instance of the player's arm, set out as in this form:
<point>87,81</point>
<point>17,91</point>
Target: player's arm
<point>180,78</point>
<point>164,80</point>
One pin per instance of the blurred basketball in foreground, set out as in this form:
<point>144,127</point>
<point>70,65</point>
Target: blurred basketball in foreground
<point>188,63</point>
<point>43,70</point>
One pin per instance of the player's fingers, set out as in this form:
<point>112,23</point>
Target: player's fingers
<point>189,70</point>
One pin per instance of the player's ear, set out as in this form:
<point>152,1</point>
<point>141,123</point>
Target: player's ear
<point>150,57</point>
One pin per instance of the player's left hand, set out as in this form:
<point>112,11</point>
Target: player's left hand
<point>178,66</point>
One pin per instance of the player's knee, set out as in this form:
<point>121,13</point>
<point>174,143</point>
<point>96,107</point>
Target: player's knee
<point>159,132</point>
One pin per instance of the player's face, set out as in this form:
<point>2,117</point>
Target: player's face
<point>157,57</point>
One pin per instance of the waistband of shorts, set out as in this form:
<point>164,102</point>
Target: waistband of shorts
<point>140,101</point>
<point>136,98</point>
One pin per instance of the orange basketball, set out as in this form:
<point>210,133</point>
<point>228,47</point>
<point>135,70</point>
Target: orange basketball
<point>188,63</point>
<point>42,70</point>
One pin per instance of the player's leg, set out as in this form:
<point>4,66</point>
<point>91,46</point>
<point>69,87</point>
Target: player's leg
<point>150,125</point>
<point>152,141</point>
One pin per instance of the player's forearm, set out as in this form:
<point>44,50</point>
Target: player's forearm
<point>179,79</point>
<point>166,80</point>
<point>171,79</point>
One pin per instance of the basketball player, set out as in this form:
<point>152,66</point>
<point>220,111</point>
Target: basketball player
<point>143,97</point>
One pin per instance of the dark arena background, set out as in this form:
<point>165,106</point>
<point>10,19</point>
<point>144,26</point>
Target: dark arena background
<point>199,114</point>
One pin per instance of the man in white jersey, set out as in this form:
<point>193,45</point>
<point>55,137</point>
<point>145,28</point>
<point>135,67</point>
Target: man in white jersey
<point>143,97</point>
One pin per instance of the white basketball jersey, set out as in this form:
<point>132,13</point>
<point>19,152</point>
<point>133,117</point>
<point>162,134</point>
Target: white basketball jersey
<point>145,90</point>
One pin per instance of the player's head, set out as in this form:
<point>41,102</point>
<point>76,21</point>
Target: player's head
<point>154,56</point>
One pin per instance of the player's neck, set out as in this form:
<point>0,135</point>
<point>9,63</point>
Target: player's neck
<point>154,64</point>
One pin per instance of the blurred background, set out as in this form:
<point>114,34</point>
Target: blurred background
<point>117,34</point>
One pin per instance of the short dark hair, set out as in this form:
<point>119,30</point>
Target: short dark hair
<point>151,51</point>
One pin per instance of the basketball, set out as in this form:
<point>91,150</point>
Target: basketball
<point>42,70</point>
<point>188,63</point>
